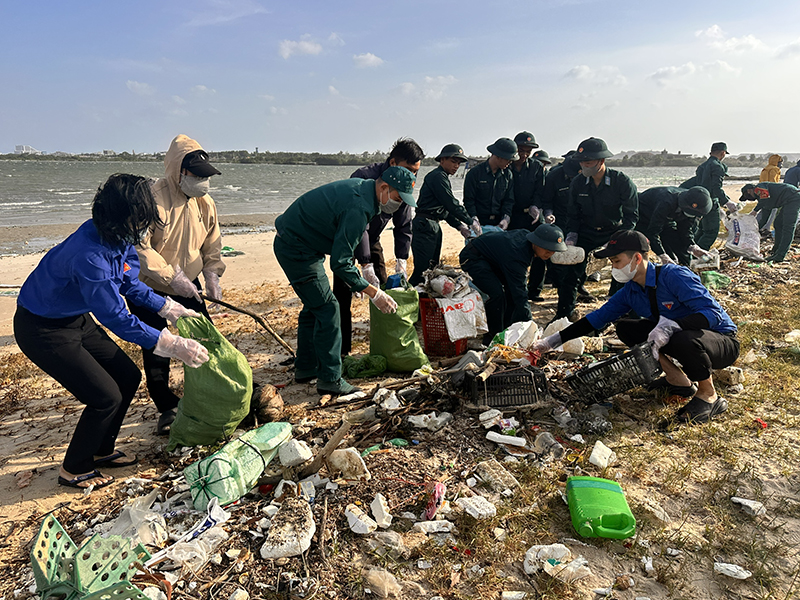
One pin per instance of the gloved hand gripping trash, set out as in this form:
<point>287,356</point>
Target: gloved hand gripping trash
<point>400,266</point>
<point>172,311</point>
<point>503,224</point>
<point>463,229</point>
<point>547,344</point>
<point>572,239</point>
<point>182,286</point>
<point>368,273</point>
<point>731,206</point>
<point>192,353</point>
<point>549,217</point>
<point>697,251</point>
<point>213,289</point>
<point>661,334</point>
<point>384,302</point>
<point>476,226</point>
<point>534,213</point>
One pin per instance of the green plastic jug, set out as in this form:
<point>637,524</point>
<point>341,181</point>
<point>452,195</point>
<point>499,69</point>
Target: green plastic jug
<point>599,509</point>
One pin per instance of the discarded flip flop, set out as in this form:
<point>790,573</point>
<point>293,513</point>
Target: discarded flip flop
<point>115,461</point>
<point>77,481</point>
<point>698,410</point>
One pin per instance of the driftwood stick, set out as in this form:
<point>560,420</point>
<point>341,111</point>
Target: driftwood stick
<point>320,458</point>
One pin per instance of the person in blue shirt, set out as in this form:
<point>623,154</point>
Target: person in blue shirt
<point>95,270</point>
<point>678,315</point>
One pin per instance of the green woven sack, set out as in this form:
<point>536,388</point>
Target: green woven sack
<point>394,336</point>
<point>367,366</point>
<point>216,395</point>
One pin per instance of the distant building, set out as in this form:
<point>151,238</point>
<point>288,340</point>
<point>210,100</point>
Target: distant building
<point>24,149</point>
<point>109,153</point>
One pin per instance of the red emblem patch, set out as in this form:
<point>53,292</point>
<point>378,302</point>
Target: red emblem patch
<point>125,267</point>
<point>668,305</point>
<point>761,192</point>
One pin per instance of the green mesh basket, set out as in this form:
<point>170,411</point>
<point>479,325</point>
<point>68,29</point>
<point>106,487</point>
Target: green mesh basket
<point>103,562</point>
<point>51,556</point>
<point>120,591</point>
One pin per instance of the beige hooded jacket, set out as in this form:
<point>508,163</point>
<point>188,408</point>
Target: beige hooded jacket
<point>190,237</point>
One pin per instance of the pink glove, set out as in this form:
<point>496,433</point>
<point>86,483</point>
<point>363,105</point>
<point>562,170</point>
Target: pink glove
<point>572,239</point>
<point>192,353</point>
<point>661,334</point>
<point>172,311</point>
<point>182,286</point>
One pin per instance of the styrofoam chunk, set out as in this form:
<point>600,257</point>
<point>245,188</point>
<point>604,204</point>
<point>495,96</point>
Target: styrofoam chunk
<point>294,453</point>
<point>350,463</point>
<point>602,455</point>
<point>441,526</point>
<point>477,507</point>
<point>359,521</point>
<point>380,510</point>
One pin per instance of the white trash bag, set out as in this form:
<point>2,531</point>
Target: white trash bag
<point>571,347</point>
<point>743,236</point>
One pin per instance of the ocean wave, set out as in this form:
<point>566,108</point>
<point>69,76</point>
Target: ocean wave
<point>63,193</point>
<point>233,188</point>
<point>5,204</point>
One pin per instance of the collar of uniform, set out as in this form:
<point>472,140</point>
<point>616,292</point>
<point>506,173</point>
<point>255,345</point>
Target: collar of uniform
<point>650,278</point>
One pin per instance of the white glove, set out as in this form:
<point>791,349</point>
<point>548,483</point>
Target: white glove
<point>503,224</point>
<point>666,260</point>
<point>549,217</point>
<point>181,285</point>
<point>368,273</point>
<point>731,206</point>
<point>213,290</point>
<point>400,266</point>
<point>697,251</point>
<point>547,344</point>
<point>172,311</point>
<point>384,302</point>
<point>534,213</point>
<point>476,226</point>
<point>464,231</point>
<point>661,334</point>
<point>192,353</point>
<point>572,239</point>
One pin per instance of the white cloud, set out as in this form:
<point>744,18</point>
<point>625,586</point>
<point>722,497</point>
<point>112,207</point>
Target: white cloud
<point>667,75</point>
<point>606,75</point>
<point>178,100</point>
<point>219,12</point>
<point>789,50</point>
<point>333,91</point>
<point>140,89</point>
<point>202,90</point>
<point>367,60</point>
<point>266,97</point>
<point>430,88</point>
<point>407,88</point>
<point>715,37</point>
<point>276,110</point>
<point>304,45</point>
<point>334,39</point>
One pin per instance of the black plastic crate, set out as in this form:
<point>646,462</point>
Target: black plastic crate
<point>521,386</point>
<point>617,374</point>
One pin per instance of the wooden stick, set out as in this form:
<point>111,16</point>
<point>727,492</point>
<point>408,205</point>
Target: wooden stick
<point>258,320</point>
<point>338,436</point>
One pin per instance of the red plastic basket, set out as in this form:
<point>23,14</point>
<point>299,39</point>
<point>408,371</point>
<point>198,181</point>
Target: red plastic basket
<point>434,331</point>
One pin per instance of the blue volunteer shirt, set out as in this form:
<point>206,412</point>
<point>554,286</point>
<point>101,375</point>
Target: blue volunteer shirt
<point>679,294</point>
<point>86,274</point>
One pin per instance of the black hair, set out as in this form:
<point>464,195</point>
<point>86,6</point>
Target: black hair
<point>122,207</point>
<point>407,150</point>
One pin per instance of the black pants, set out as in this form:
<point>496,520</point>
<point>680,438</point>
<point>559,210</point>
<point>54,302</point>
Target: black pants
<point>426,246</point>
<point>536,277</point>
<point>344,296</point>
<point>499,303</point>
<point>80,356</point>
<point>156,368</point>
<point>698,350</point>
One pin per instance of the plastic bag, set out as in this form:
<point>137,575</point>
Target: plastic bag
<point>234,469</point>
<point>216,395</point>
<point>571,347</point>
<point>464,317</point>
<point>394,336</point>
<point>743,236</point>
<point>519,335</point>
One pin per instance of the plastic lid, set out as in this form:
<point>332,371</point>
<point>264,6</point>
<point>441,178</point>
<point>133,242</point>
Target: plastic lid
<point>586,529</point>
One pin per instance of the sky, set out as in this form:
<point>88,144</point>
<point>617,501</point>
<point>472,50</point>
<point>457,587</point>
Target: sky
<point>354,76</point>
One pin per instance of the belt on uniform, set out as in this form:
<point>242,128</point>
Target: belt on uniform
<point>427,215</point>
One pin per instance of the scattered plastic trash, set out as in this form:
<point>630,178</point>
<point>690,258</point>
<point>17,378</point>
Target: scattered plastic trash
<point>500,534</point>
<point>522,334</point>
<point>194,553</point>
<point>138,522</point>
<point>389,543</point>
<point>556,561</point>
<point>599,509</point>
<point>435,494</point>
<point>477,507</point>
<point>792,337</point>
<point>349,462</point>
<point>732,570</point>
<point>439,526</point>
<point>291,532</point>
<point>359,521</point>
<point>381,582</point>
<point>490,418</point>
<point>714,280</point>
<point>380,510</point>
<point>546,445</point>
<point>464,316</point>
<point>571,347</point>
<point>602,456</point>
<point>431,421</point>
<point>499,438</point>
<point>293,453</point>
<point>751,507</point>
<point>730,376</point>
<point>513,595</point>
<point>708,262</point>
<point>647,565</point>
<point>571,256</point>
<point>496,476</point>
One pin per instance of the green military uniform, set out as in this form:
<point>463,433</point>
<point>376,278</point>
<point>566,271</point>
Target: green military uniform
<point>331,220</point>
<point>709,175</point>
<point>488,196</point>
<point>595,212</point>
<point>786,198</point>
<point>668,228</point>
<point>436,203</point>
<point>528,187</point>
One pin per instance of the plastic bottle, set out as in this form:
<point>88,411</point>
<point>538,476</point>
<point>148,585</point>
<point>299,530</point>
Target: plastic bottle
<point>546,444</point>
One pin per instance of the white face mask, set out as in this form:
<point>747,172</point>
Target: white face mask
<point>391,205</point>
<point>626,273</point>
<point>195,187</point>
<point>590,171</point>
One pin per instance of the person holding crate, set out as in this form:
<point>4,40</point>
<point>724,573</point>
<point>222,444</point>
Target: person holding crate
<point>678,316</point>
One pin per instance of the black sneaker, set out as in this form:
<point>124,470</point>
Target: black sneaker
<point>698,410</point>
<point>537,298</point>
